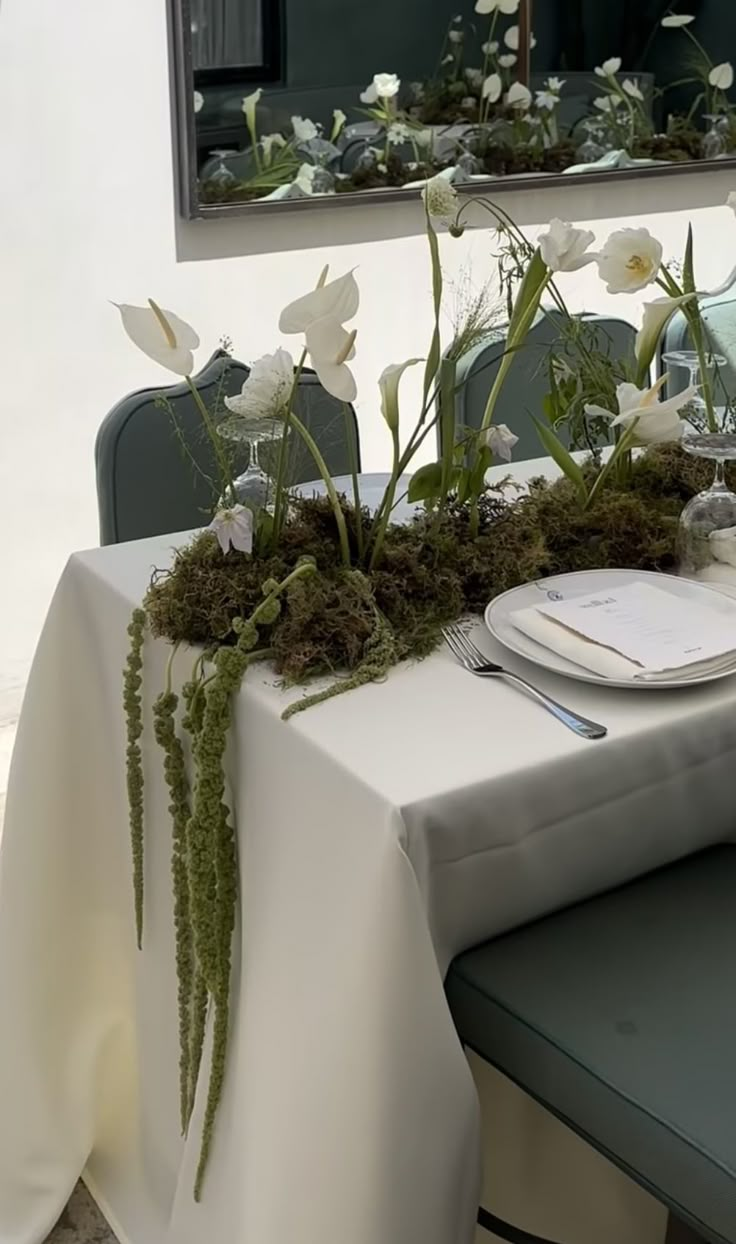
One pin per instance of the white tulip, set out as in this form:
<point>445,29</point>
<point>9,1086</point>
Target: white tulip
<point>270,143</point>
<point>563,247</point>
<point>492,88</point>
<point>161,335</point>
<point>338,300</point>
<point>500,440</point>
<point>440,196</point>
<point>265,393</point>
<point>511,39</point>
<point>657,315</point>
<point>198,101</point>
<point>249,105</point>
<point>656,422</point>
<point>721,76</point>
<point>677,19</point>
<point>632,89</point>
<point>507,60</point>
<point>496,6</point>
<point>609,68</point>
<point>234,526</point>
<point>519,96</point>
<point>369,95</point>
<point>387,85</point>
<point>304,129</point>
<point>630,260</point>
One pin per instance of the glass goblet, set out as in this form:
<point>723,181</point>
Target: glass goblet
<point>706,541</point>
<point>253,487</point>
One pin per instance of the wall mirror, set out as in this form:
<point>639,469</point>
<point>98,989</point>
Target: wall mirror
<point>290,103</point>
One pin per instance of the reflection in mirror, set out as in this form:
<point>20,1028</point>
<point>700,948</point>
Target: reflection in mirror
<point>297,99</point>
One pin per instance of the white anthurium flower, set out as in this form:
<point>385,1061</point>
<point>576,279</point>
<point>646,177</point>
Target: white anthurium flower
<point>657,315</point>
<point>519,96</point>
<point>161,335</point>
<point>656,421</point>
<point>511,39</point>
<point>398,133</point>
<point>492,88</point>
<point>489,49</point>
<point>629,260</point>
<point>440,196</point>
<point>632,89</point>
<point>249,105</point>
<point>507,60</point>
<point>330,347</point>
<point>556,84</point>
<point>496,6</point>
<point>338,300</point>
<point>721,76</point>
<point>234,528</point>
<point>270,143</point>
<point>500,440</point>
<point>609,68</point>
<point>304,129</point>
<point>564,248</point>
<point>388,383</point>
<point>547,100</point>
<point>266,390</point>
<point>198,101</point>
<point>672,20</point>
<point>607,103</point>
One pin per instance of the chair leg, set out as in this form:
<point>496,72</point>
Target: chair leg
<point>679,1233</point>
<point>514,1235</point>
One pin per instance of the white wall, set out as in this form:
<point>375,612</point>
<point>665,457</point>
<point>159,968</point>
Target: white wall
<point>87,215</point>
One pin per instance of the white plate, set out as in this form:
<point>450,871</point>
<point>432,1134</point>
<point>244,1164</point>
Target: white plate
<point>567,586</point>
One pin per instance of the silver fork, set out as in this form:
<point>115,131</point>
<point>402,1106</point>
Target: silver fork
<point>475,662</point>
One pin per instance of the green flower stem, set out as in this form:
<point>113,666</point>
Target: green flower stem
<point>691,311</point>
<point>279,507</point>
<point>352,450</point>
<point>388,502</point>
<point>623,446</point>
<point>324,471</point>
<point>132,681</point>
<point>485,103</point>
<point>216,442</point>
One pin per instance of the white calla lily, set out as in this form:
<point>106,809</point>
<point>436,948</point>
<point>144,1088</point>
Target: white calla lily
<point>500,440</point>
<point>249,105</point>
<point>234,528</point>
<point>656,422</point>
<point>266,390</point>
<point>673,20</point>
<point>609,68</point>
<point>161,335</point>
<point>721,76</point>
<point>388,383</point>
<point>493,87</point>
<point>657,315</point>
<point>337,300</point>
<point>519,96</point>
<point>629,260</point>
<point>496,6</point>
<point>564,248</point>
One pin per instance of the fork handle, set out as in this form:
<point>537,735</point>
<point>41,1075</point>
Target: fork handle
<point>579,725</point>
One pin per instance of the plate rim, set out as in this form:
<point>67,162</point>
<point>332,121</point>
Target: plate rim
<point>589,676</point>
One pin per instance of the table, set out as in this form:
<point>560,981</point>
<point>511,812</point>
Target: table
<point>380,834</point>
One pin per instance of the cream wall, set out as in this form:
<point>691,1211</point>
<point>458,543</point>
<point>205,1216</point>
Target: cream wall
<point>87,215</point>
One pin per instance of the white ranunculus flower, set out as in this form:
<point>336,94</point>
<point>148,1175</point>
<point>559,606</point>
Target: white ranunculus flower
<point>270,143</point>
<point>721,76</point>
<point>632,89</point>
<point>440,196</point>
<point>656,422</point>
<point>492,87</point>
<point>629,260</point>
<point>496,6</point>
<point>609,67</point>
<point>304,129</point>
<point>511,39</point>
<point>489,49</point>
<point>266,390</point>
<point>500,440</point>
<point>161,335</point>
<point>677,19</point>
<point>519,96</point>
<point>507,59</point>
<point>198,101</point>
<point>249,105</point>
<point>563,247</point>
<point>234,527</point>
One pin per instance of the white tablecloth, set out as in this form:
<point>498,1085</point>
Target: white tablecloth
<point>380,834</point>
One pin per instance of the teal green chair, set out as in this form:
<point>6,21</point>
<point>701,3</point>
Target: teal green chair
<point>526,384</point>
<point>619,1016</point>
<point>154,464</point>
<point>719,316</point>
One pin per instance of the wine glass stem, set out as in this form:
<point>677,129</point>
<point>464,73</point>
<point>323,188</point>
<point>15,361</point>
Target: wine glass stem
<point>720,479</point>
<point>254,463</point>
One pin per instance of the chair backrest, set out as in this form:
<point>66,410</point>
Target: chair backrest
<point>719,316</point>
<point>154,471</point>
<point>527,382</point>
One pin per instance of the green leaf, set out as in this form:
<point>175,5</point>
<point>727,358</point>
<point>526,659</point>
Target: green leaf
<point>564,459</point>
<point>433,356</point>
<point>426,482</point>
<point>688,275</point>
<point>527,296</point>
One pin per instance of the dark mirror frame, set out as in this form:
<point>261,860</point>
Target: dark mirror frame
<point>183,85</point>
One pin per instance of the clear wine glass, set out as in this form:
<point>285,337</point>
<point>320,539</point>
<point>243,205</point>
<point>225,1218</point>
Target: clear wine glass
<point>253,487</point>
<point>716,140</point>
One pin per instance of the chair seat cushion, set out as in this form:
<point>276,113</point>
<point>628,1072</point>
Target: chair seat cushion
<point>619,1015</point>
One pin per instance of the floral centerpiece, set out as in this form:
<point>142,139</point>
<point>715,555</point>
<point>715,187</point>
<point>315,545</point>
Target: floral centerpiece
<point>323,587</point>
